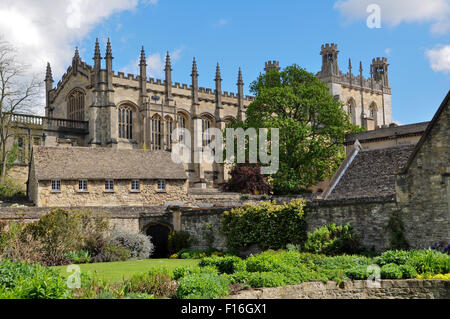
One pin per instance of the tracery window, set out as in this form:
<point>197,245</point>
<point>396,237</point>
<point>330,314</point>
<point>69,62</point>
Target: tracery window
<point>156,132</point>
<point>125,122</point>
<point>168,132</point>
<point>75,105</point>
<point>206,124</point>
<point>182,123</point>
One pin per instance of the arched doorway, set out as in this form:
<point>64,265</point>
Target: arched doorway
<point>160,238</point>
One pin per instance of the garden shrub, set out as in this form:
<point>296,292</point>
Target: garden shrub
<point>182,271</point>
<point>267,225</point>
<point>179,240</point>
<point>138,244</point>
<point>20,280</point>
<point>156,282</point>
<point>423,261</point>
<point>437,277</point>
<point>441,247</point>
<point>10,188</point>
<point>112,253</point>
<point>202,286</point>
<point>225,265</point>
<point>408,271</point>
<point>247,179</point>
<point>333,240</point>
<point>391,271</point>
<point>358,273</point>
<point>78,257</point>
<point>266,279</point>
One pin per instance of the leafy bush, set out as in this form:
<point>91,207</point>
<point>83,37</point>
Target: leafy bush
<point>247,179</point>
<point>138,244</point>
<point>179,240</point>
<point>19,280</point>
<point>423,261</point>
<point>358,273</point>
<point>408,271</point>
<point>156,282</point>
<point>333,240</point>
<point>10,188</point>
<point>112,253</point>
<point>391,271</point>
<point>438,276</point>
<point>267,225</point>
<point>225,265</point>
<point>181,271</point>
<point>79,257</point>
<point>266,279</point>
<point>202,286</point>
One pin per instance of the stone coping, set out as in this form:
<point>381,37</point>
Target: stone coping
<point>360,289</point>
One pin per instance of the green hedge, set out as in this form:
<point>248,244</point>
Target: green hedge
<point>267,225</point>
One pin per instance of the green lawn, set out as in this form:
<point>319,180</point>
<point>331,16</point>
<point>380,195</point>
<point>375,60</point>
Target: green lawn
<point>115,271</point>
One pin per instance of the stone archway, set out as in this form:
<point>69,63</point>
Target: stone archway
<point>159,234</point>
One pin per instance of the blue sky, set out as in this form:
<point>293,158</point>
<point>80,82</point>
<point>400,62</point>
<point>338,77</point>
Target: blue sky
<point>248,33</point>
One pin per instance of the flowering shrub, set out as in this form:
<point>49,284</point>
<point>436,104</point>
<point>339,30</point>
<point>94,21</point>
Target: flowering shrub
<point>138,244</point>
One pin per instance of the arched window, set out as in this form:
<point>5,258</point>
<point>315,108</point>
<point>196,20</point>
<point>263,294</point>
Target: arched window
<point>168,131</point>
<point>207,123</point>
<point>125,122</point>
<point>351,109</point>
<point>156,132</point>
<point>75,105</point>
<point>183,122</point>
<point>373,110</point>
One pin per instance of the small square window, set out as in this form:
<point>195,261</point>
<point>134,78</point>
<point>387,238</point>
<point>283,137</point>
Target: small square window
<point>37,141</point>
<point>83,185</point>
<point>161,185</point>
<point>56,185</point>
<point>109,185</point>
<point>135,187</point>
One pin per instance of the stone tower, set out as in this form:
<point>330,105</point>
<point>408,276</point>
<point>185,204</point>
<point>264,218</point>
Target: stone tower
<point>272,65</point>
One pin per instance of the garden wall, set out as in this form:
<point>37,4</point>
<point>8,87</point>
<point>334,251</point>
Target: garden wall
<point>389,289</point>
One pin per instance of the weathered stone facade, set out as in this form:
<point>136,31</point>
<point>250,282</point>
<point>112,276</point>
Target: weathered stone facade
<point>70,196</point>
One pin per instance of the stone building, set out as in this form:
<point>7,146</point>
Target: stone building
<point>83,176</point>
<point>97,106</point>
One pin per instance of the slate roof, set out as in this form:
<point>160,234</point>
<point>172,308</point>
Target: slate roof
<point>387,132</point>
<point>371,173</point>
<point>69,163</point>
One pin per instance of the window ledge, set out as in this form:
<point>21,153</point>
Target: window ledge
<point>134,191</point>
<point>161,191</point>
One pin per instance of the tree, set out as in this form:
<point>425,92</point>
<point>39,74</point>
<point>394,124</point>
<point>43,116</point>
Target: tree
<point>18,92</point>
<point>312,126</point>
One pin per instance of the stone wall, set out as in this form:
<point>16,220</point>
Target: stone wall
<point>389,289</point>
<point>70,196</point>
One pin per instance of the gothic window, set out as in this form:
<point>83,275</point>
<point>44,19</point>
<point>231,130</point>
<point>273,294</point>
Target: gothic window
<point>351,109</point>
<point>156,132</point>
<point>75,105</point>
<point>183,122</point>
<point>125,122</point>
<point>168,132</point>
<point>206,124</point>
<point>373,113</point>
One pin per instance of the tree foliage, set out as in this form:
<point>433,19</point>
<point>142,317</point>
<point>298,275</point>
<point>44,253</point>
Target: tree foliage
<point>312,126</point>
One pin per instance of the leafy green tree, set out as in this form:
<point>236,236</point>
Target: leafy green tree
<point>312,126</point>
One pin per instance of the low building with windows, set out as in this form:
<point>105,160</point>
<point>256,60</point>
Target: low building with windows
<point>83,176</point>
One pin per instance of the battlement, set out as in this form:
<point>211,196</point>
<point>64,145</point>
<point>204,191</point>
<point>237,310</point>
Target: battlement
<point>272,65</point>
<point>379,60</point>
<point>327,47</point>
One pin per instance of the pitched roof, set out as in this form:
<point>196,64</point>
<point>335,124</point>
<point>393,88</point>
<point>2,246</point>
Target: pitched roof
<point>371,173</point>
<point>69,163</point>
<point>387,132</point>
<point>444,106</point>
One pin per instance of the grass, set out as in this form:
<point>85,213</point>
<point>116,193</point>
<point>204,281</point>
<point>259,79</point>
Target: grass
<point>116,271</point>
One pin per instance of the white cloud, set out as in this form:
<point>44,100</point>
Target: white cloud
<point>394,12</point>
<point>388,51</point>
<point>439,58</point>
<point>46,30</point>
